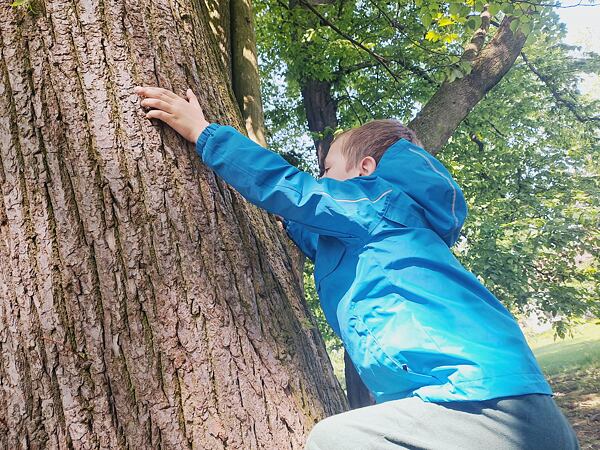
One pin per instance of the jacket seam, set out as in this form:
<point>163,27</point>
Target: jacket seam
<point>367,234</point>
<point>381,216</point>
<point>454,194</point>
<point>536,374</point>
<point>354,201</point>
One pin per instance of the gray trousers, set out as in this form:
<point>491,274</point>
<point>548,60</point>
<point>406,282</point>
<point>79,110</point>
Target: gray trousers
<point>525,422</point>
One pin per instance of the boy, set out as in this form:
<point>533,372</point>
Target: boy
<point>446,362</point>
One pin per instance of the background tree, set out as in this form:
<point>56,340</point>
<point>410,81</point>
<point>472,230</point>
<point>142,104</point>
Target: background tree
<point>143,302</point>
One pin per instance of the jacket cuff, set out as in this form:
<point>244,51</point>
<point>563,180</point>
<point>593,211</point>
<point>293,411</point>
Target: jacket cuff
<point>206,133</point>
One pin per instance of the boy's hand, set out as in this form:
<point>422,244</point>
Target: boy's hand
<point>184,116</point>
<point>279,221</point>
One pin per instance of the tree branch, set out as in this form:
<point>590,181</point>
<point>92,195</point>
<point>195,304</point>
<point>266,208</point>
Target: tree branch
<point>353,68</point>
<point>422,73</point>
<point>560,99</point>
<point>453,101</point>
<point>478,39</point>
<point>557,4</point>
<point>244,68</point>
<point>477,141</point>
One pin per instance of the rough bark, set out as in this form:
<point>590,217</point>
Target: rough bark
<point>452,102</point>
<point>143,302</point>
<point>245,76</point>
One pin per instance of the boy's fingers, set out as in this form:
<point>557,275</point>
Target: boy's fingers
<point>155,92</point>
<point>158,104</point>
<point>160,115</point>
<point>192,98</point>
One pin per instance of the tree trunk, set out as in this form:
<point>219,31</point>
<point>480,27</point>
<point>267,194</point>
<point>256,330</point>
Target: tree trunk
<point>219,24</point>
<point>143,303</point>
<point>321,114</point>
<point>245,76</point>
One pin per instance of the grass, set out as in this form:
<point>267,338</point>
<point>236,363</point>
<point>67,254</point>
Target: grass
<point>578,352</point>
<point>572,366</point>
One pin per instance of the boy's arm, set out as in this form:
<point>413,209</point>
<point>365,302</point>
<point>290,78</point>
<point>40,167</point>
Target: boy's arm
<point>330,207</point>
<point>326,206</point>
<point>304,239</point>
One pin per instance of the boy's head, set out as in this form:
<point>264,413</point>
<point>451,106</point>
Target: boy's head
<point>357,151</point>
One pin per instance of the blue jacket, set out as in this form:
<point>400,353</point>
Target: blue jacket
<point>414,321</point>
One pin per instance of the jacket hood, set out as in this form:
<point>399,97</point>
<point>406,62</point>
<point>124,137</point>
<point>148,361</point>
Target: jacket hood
<point>426,194</point>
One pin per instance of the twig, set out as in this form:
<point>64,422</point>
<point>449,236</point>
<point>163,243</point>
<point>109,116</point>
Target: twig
<point>349,38</point>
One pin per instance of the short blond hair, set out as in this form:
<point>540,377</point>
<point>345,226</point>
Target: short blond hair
<point>373,139</point>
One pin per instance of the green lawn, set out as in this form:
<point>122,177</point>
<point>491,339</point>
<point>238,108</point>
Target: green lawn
<point>578,352</point>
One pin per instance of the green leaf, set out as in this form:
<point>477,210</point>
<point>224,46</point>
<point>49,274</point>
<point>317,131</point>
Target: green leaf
<point>465,67</point>
<point>454,8</point>
<point>494,9</point>
<point>454,74</point>
<point>433,36</point>
<point>473,23</point>
<point>426,20</point>
<point>450,76</point>
<point>526,27</point>
<point>464,10</point>
<point>508,8</point>
<point>514,25</point>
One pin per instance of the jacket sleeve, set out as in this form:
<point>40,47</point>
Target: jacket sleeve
<point>304,239</point>
<point>345,209</point>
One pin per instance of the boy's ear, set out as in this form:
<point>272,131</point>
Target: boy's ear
<point>367,166</point>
